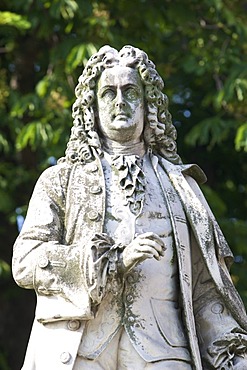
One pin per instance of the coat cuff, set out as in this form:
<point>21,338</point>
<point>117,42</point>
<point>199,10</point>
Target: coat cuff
<point>227,347</point>
<point>102,265</point>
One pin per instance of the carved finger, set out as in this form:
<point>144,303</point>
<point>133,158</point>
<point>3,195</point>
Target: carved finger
<point>152,236</point>
<point>145,249</point>
<point>153,244</point>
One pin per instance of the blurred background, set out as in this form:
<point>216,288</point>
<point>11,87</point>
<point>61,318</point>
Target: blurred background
<point>199,48</point>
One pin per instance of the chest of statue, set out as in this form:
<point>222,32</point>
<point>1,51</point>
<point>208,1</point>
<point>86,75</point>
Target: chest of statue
<point>151,288</point>
<point>145,211</point>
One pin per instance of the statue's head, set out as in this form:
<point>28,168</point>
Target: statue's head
<point>157,130</point>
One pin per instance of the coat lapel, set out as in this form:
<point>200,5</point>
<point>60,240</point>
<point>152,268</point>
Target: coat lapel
<point>198,218</point>
<point>182,242</point>
<point>215,251</point>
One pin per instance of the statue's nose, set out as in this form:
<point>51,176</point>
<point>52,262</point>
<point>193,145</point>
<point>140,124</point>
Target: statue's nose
<point>120,103</point>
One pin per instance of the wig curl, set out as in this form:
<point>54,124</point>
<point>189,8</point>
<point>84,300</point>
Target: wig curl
<point>159,132</point>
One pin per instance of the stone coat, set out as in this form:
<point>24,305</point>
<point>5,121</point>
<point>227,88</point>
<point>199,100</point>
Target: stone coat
<point>66,210</point>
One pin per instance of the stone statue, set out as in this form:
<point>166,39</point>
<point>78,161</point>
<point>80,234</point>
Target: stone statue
<point>128,263</point>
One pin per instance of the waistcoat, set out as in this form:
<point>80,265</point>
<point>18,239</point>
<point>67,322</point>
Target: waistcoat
<point>148,305</point>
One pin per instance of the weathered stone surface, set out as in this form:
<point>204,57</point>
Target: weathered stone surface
<point>128,263</point>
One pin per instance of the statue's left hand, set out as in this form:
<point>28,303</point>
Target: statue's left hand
<point>144,246</point>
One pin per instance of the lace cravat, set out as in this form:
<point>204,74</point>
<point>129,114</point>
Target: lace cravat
<point>131,180</point>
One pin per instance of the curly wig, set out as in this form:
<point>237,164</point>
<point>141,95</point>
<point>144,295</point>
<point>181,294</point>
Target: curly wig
<point>159,132</point>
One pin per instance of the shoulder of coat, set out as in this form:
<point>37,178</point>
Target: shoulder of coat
<point>192,170</point>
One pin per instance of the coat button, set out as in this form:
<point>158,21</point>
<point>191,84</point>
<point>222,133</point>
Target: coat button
<point>217,308</point>
<point>130,279</point>
<point>65,357</point>
<point>93,215</point>
<point>95,189</point>
<point>131,319</point>
<point>129,298</point>
<point>133,278</point>
<point>74,325</point>
<point>43,262</point>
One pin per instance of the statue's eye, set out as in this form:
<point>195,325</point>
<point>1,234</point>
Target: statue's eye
<point>131,93</point>
<point>109,94</point>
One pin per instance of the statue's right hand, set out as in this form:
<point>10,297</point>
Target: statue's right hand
<point>147,245</point>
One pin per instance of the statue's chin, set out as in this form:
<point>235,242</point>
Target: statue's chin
<point>123,131</point>
<point>122,122</point>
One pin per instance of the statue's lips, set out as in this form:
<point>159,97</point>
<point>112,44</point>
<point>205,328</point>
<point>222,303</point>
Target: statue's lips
<point>121,116</point>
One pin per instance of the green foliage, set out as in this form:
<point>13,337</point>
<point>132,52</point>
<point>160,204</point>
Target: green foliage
<point>3,361</point>
<point>217,204</point>
<point>34,134</point>
<point>79,56</point>
<point>4,269</point>
<point>14,20</point>
<point>241,137</point>
<point>199,48</point>
<point>211,131</point>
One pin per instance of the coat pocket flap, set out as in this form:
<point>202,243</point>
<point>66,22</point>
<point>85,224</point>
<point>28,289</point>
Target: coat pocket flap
<point>169,320</point>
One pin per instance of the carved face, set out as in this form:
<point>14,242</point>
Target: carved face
<point>120,104</point>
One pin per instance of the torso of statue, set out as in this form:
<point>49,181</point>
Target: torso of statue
<point>148,304</point>
<point>123,225</point>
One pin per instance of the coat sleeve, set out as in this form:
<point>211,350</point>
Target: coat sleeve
<point>42,232</point>
<point>41,259</point>
<point>68,277</point>
<point>222,340</point>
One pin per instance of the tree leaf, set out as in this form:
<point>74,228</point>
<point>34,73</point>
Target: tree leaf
<point>14,20</point>
<point>241,138</point>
